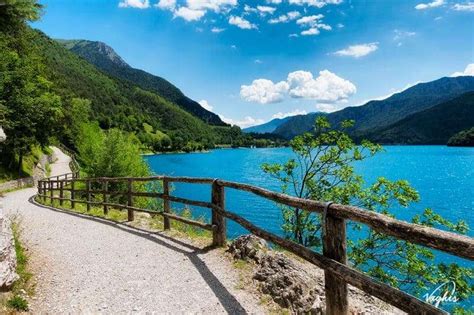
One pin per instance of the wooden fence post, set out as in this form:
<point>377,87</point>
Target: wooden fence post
<point>61,192</point>
<point>218,199</point>
<point>73,195</point>
<point>89,196</point>
<point>106,197</point>
<point>130,199</point>
<point>51,192</point>
<point>39,188</point>
<point>334,247</point>
<point>166,203</point>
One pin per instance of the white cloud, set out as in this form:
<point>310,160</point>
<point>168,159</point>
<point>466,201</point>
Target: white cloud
<point>309,20</point>
<point>328,108</point>
<point>358,51</point>
<point>217,30</point>
<point>292,15</point>
<point>264,91</point>
<point>293,35</point>
<point>214,5</point>
<point>233,46</point>
<point>314,24</point>
<point>258,61</point>
<point>315,3</point>
<point>327,87</point>
<point>311,31</point>
<point>263,9</point>
<point>274,1</point>
<point>166,4</point>
<point>138,4</point>
<point>469,71</point>
<point>248,9</point>
<point>247,121</point>
<point>189,14</point>
<point>205,105</point>
<point>429,5</point>
<point>241,23</point>
<point>468,6</point>
<point>292,113</point>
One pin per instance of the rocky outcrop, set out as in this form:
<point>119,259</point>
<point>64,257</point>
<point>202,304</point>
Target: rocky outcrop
<point>7,254</point>
<point>295,285</point>
<point>248,247</point>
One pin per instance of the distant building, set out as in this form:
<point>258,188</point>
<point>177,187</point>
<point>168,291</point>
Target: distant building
<point>3,137</point>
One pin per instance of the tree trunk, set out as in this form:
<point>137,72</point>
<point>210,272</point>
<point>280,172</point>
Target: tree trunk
<point>20,163</point>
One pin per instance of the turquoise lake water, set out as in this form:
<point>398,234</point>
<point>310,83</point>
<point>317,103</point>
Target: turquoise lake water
<point>443,176</point>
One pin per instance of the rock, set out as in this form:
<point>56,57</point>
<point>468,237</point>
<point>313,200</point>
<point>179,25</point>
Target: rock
<point>289,285</point>
<point>248,247</point>
<point>7,256</point>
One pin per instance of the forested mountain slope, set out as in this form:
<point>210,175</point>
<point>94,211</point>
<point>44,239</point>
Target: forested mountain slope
<point>379,114</point>
<point>435,125</point>
<point>117,103</point>
<point>106,59</point>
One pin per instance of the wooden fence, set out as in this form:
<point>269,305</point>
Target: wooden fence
<point>333,259</point>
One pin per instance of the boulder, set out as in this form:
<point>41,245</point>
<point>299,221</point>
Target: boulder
<point>7,256</point>
<point>289,285</point>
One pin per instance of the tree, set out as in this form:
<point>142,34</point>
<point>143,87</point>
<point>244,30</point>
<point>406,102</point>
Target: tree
<point>31,105</point>
<point>110,153</point>
<point>76,113</point>
<point>323,169</point>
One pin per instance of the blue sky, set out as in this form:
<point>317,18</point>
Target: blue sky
<point>250,61</point>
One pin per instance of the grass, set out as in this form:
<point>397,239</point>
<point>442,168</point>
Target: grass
<point>154,222</point>
<point>29,162</point>
<point>22,287</point>
<point>48,169</point>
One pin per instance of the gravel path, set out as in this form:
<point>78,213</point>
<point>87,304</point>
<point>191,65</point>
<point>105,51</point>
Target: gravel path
<point>88,265</point>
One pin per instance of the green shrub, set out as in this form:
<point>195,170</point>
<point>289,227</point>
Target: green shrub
<point>18,303</point>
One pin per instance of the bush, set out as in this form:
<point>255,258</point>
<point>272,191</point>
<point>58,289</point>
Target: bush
<point>18,303</point>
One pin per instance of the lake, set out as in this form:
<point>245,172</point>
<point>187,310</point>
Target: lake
<point>443,176</point>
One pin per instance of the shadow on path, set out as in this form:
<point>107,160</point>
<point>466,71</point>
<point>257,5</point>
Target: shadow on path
<point>227,300</point>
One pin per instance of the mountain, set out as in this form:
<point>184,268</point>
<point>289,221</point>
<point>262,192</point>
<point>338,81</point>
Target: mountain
<point>106,59</point>
<point>268,127</point>
<point>118,103</point>
<point>435,125</point>
<point>382,113</point>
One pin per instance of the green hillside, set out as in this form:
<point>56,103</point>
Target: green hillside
<point>117,103</point>
<point>463,138</point>
<point>432,126</point>
<point>107,60</point>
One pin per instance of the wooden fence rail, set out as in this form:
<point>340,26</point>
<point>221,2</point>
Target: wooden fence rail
<point>333,259</point>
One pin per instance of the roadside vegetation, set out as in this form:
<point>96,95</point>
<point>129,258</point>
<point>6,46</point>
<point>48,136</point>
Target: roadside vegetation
<point>17,300</point>
<point>28,163</point>
<point>323,169</point>
<point>142,220</point>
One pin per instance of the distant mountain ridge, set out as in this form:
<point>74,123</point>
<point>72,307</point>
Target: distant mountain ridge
<point>267,127</point>
<point>435,125</point>
<point>382,113</point>
<point>106,59</point>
